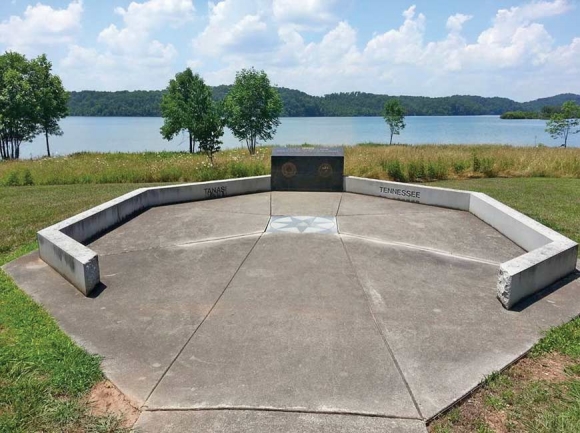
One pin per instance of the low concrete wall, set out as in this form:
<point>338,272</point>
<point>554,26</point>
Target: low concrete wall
<point>75,262</point>
<point>534,271</point>
<point>550,255</point>
<point>522,230</point>
<point>61,246</point>
<point>413,193</point>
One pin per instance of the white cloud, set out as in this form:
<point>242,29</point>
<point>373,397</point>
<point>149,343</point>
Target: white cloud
<point>235,28</point>
<point>89,68</point>
<point>515,56</point>
<point>155,13</point>
<point>131,58</point>
<point>397,61</point>
<point>141,18</point>
<point>304,14</point>
<point>403,45</point>
<point>455,22</point>
<point>41,25</point>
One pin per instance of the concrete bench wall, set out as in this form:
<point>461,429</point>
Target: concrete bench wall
<point>550,256</point>
<point>61,245</point>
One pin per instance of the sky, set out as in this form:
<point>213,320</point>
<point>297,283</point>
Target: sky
<point>522,50</point>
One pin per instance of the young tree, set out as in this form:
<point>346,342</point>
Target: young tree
<point>564,123</point>
<point>18,102</point>
<point>212,131</point>
<point>52,98</point>
<point>184,107</point>
<point>394,115</point>
<point>253,108</point>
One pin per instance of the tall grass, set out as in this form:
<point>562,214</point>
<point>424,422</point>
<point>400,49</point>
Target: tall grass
<point>402,163</point>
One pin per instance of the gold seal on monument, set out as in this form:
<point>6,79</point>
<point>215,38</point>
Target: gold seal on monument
<point>325,170</point>
<point>289,170</point>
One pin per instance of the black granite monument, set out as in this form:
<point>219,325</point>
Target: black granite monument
<point>307,169</point>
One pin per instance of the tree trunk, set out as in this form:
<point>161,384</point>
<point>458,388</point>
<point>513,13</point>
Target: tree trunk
<point>47,146</point>
<point>251,146</point>
<point>190,143</point>
<point>391,142</point>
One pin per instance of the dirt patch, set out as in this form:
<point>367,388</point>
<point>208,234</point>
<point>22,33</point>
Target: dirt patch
<point>550,368</point>
<point>106,399</point>
<point>488,405</point>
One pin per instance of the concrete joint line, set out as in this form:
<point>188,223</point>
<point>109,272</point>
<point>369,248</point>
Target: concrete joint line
<point>380,331</point>
<point>338,208</point>
<point>424,249</point>
<point>282,410</point>
<point>183,245</point>
<point>201,323</point>
<point>221,239</point>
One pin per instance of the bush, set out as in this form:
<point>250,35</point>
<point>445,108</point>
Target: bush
<point>12,179</point>
<point>460,166</point>
<point>27,180</point>
<point>487,167</point>
<point>416,171</point>
<point>476,164</point>
<point>395,171</point>
<point>437,170</point>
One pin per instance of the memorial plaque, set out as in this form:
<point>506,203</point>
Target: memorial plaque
<point>307,169</point>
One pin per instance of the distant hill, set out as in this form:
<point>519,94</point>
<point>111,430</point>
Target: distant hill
<point>142,103</point>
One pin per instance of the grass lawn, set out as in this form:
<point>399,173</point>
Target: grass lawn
<point>44,377</point>
<point>43,374</point>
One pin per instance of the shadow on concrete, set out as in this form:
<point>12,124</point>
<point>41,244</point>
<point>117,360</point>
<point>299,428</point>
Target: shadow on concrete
<point>99,288</point>
<point>528,302</point>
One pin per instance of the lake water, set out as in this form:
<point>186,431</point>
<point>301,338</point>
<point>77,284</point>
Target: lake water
<point>136,134</point>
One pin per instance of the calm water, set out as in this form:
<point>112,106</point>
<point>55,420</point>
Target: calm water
<point>135,134</point>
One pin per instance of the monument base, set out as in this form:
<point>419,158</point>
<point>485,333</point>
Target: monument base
<point>307,169</point>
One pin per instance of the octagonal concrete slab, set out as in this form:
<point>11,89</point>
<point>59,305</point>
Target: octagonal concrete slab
<point>238,330</point>
<point>292,332</point>
<point>271,422</point>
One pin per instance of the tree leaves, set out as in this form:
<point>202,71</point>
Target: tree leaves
<point>252,108</point>
<point>32,101</point>
<point>187,105</point>
<point>565,122</point>
<point>394,115</point>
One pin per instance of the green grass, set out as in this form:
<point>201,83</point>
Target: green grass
<point>43,374</point>
<point>553,202</point>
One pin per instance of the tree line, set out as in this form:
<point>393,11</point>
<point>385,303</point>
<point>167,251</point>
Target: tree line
<point>32,101</point>
<point>545,113</point>
<point>300,104</point>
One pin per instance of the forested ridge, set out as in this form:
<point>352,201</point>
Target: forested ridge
<point>143,103</point>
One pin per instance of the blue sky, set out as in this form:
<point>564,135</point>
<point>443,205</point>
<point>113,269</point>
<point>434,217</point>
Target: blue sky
<point>517,49</point>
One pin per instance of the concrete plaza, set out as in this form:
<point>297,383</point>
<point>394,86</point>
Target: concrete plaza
<point>371,315</point>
